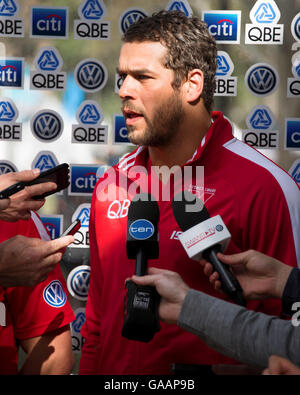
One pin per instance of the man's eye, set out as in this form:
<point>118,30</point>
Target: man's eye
<point>142,77</point>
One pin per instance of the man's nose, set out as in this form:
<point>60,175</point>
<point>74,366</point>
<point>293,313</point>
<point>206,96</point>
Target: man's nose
<point>127,89</point>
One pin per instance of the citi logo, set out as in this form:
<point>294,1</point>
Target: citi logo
<point>11,73</point>
<point>83,179</point>
<point>224,26</point>
<point>49,22</point>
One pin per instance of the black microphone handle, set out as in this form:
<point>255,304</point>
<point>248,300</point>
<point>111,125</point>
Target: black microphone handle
<point>141,262</point>
<point>230,284</point>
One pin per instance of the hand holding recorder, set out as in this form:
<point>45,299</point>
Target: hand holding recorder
<point>27,190</point>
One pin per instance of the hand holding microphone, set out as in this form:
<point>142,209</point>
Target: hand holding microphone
<point>141,320</point>
<point>204,237</point>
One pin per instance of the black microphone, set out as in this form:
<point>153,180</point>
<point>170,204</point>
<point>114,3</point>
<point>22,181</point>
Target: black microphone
<point>141,320</point>
<point>205,236</point>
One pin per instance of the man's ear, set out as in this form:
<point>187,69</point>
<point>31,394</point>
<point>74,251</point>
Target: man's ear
<point>193,86</point>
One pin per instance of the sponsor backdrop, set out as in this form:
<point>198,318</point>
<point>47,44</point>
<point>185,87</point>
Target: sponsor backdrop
<point>59,102</point>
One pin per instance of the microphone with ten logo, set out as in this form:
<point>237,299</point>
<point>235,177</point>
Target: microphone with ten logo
<point>141,320</point>
<point>204,237</point>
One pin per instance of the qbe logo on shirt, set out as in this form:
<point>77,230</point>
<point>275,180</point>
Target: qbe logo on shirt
<point>91,26</point>
<point>9,129</point>
<point>10,25</point>
<point>224,26</point>
<point>49,22</point>
<point>292,133</point>
<point>53,224</point>
<point>261,79</point>
<point>264,29</point>
<point>11,72</point>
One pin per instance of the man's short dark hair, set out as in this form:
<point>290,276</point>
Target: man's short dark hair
<point>189,45</point>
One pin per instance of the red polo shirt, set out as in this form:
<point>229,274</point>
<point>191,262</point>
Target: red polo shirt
<point>260,205</point>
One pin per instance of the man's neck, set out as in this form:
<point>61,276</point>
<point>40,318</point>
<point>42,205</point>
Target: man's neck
<point>183,146</point>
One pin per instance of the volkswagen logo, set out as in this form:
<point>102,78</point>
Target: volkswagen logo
<point>129,17</point>
<point>261,79</point>
<point>47,126</point>
<point>54,295</point>
<point>91,75</point>
<point>7,167</point>
<point>295,27</point>
<point>78,282</point>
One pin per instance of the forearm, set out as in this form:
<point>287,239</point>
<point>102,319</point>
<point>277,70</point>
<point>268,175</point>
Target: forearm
<point>49,354</point>
<point>244,335</point>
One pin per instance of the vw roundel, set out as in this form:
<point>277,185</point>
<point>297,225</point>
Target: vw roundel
<point>54,295</point>
<point>141,229</point>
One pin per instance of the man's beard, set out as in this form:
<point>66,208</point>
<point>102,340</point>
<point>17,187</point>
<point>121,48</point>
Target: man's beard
<point>164,126</point>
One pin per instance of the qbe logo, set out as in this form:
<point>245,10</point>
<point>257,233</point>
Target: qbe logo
<point>260,122</point>
<point>83,179</point>
<point>295,171</point>
<point>44,160</point>
<point>224,26</point>
<point>49,22</point>
<point>78,282</point>
<point>91,75</point>
<point>6,167</point>
<point>10,25</point>
<point>295,27</point>
<point>293,86</point>
<point>11,72</point>
<point>264,29</point>
<point>82,235</point>
<point>54,294</point>
<point>9,129</point>
<point>226,85</point>
<point>292,133</point>
<point>120,131</point>
<point>89,129</point>
<point>48,62</point>
<point>47,126</point>
<point>91,26</point>
<point>76,326</point>
<point>182,6</point>
<point>53,224</point>
<point>261,79</point>
<point>130,16</point>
